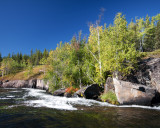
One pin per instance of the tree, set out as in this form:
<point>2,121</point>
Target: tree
<point>0,57</point>
<point>157,36</point>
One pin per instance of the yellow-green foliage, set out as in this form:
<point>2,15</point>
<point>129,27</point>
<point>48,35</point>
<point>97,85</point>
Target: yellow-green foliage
<point>109,97</point>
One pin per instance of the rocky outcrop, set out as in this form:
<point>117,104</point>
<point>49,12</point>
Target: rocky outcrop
<point>41,85</point>
<point>15,84</point>
<point>59,92</point>
<point>148,73</point>
<point>33,83</point>
<point>130,93</point>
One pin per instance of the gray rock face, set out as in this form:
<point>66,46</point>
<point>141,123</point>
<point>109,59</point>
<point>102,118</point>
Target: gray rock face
<point>154,73</point>
<point>41,85</point>
<point>59,92</point>
<point>32,83</point>
<point>129,93</point>
<point>109,86</point>
<point>15,84</point>
<point>147,74</point>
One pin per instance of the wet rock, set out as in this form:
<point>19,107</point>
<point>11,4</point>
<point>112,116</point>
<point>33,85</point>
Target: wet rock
<point>66,94</point>
<point>92,91</point>
<point>15,84</point>
<point>130,93</point>
<point>59,92</point>
<point>80,92</point>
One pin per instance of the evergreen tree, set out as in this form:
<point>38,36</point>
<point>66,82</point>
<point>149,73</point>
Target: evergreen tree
<point>0,57</point>
<point>157,36</point>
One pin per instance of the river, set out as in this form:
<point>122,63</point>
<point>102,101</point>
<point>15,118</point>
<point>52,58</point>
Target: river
<point>27,108</point>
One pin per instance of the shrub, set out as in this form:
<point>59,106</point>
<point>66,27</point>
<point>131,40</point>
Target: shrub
<point>109,97</point>
<point>71,90</point>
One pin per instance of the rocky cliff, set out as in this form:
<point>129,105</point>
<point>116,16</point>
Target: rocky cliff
<point>33,83</point>
<point>142,87</point>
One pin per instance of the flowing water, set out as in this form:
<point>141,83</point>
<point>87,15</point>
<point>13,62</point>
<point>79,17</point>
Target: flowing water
<point>33,108</point>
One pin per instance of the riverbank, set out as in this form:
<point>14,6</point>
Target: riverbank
<point>141,87</point>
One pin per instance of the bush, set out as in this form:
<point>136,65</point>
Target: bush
<point>109,97</point>
<point>71,90</point>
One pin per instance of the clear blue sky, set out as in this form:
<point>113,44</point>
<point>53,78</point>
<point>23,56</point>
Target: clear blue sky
<point>31,24</point>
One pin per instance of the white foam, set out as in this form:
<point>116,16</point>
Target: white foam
<point>5,98</point>
<point>139,106</point>
<point>10,96</point>
<point>46,100</point>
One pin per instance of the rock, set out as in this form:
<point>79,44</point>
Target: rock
<point>89,92</point>
<point>109,86</point>
<point>148,73</point>
<point>154,72</point>
<point>80,92</point>
<point>92,91</point>
<point>15,84</point>
<point>66,94</point>
<point>130,93</point>
<point>42,85</point>
<point>32,83</point>
<point>1,82</point>
<point>59,92</point>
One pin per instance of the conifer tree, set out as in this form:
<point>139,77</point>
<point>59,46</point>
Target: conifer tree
<point>157,36</point>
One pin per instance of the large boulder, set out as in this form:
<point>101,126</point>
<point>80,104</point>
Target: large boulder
<point>89,92</point>
<point>130,93</point>
<point>59,92</point>
<point>92,91</point>
<point>15,84</point>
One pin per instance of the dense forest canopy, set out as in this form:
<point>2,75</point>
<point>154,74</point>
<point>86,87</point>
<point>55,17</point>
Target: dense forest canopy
<point>109,49</point>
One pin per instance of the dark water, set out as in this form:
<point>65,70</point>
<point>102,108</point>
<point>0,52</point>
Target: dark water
<point>28,108</point>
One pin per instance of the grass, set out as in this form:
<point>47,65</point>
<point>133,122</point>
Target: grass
<point>109,97</point>
<point>36,74</point>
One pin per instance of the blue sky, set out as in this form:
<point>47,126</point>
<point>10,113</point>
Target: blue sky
<point>31,24</point>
